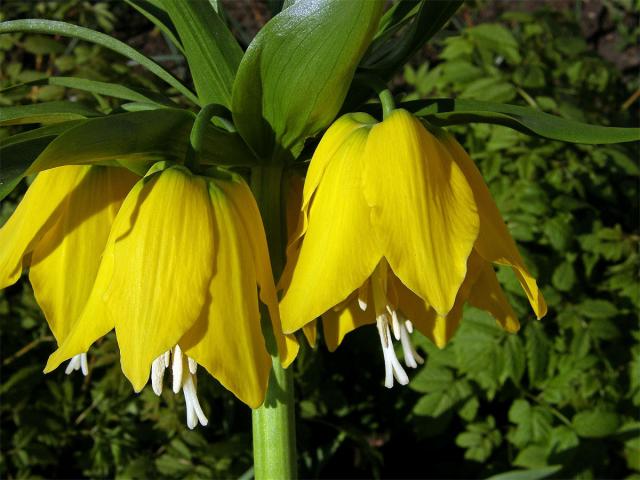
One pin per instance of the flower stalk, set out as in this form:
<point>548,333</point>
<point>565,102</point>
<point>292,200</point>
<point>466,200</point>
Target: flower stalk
<point>274,435</point>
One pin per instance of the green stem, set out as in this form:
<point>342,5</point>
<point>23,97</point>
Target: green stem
<point>274,433</point>
<point>388,104</point>
<point>197,135</point>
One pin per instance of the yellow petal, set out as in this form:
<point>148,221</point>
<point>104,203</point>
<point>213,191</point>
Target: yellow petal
<point>41,206</point>
<point>162,254</point>
<point>227,338</point>
<point>423,208</point>
<point>495,243</point>
<point>339,251</point>
<point>336,324</point>
<point>487,295</point>
<point>331,143</point>
<point>310,331</point>
<point>65,261</point>
<point>439,329</point>
<point>95,320</point>
<point>246,210</point>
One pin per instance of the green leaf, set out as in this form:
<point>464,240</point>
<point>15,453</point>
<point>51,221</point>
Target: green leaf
<point>22,149</point>
<point>597,309</point>
<point>596,423</point>
<point>533,474</point>
<point>15,157</point>
<point>143,137</point>
<point>153,11</point>
<point>432,379</point>
<point>496,38</point>
<point>295,74</point>
<point>212,51</point>
<point>52,27</point>
<point>538,352</point>
<point>564,276</point>
<point>115,90</point>
<point>533,456</point>
<point>390,55</point>
<point>49,112</point>
<point>448,111</point>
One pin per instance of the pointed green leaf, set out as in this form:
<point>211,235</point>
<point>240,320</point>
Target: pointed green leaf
<point>134,94</point>
<point>449,111</point>
<point>390,54</point>
<point>533,474</point>
<point>212,52</point>
<point>295,74</point>
<point>153,11</point>
<point>140,137</point>
<point>49,112</point>
<point>52,27</point>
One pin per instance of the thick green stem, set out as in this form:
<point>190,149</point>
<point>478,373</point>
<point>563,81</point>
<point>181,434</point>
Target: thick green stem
<point>274,433</point>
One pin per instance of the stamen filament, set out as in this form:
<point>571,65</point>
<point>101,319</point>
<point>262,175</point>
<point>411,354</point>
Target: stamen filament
<point>182,378</point>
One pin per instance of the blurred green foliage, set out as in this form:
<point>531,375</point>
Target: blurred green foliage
<point>560,399</point>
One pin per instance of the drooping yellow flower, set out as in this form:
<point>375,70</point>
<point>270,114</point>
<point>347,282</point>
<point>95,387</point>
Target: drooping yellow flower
<point>59,232</point>
<point>179,283</point>
<point>396,224</point>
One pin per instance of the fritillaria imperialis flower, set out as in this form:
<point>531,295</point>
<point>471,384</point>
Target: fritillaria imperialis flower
<point>59,231</point>
<point>179,283</point>
<point>397,228</point>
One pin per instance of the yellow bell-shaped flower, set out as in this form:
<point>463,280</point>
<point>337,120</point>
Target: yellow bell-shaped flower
<point>179,283</point>
<point>59,231</point>
<point>396,223</point>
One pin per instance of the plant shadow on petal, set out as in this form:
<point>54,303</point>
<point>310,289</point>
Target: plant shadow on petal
<point>72,200</point>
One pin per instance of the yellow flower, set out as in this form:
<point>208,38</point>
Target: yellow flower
<point>178,282</point>
<point>59,231</point>
<point>396,224</point>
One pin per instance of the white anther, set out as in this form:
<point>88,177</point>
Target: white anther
<point>158,367</point>
<point>363,293</point>
<point>183,377</point>
<point>78,362</point>
<point>193,365</point>
<point>408,325</point>
<point>176,369</point>
<point>395,324</point>
<point>381,322</point>
<point>84,365</point>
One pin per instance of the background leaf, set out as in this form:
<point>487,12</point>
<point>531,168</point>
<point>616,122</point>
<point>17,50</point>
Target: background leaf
<point>527,120</point>
<point>52,27</point>
<point>50,112</point>
<point>211,50</point>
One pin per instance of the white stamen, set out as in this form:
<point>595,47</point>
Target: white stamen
<point>381,322</point>
<point>183,378</point>
<point>411,357</point>
<point>193,405</point>
<point>78,362</point>
<point>193,365</point>
<point>408,325</point>
<point>158,367</point>
<point>392,366</point>
<point>395,323</point>
<point>84,365</point>
<point>176,369</point>
<point>363,293</point>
